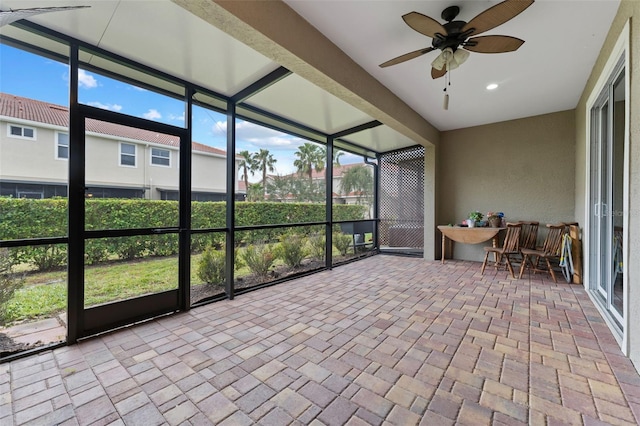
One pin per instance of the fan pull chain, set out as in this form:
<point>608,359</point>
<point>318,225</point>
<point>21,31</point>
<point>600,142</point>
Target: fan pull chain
<point>447,81</point>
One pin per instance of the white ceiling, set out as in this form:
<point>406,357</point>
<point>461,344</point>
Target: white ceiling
<point>547,74</point>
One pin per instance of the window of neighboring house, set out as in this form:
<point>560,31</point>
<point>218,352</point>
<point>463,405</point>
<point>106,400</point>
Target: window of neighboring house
<point>160,157</point>
<point>127,155</point>
<point>31,195</point>
<point>62,146</point>
<point>21,132</point>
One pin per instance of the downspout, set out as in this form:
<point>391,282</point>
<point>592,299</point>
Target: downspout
<point>376,204</point>
<point>145,172</point>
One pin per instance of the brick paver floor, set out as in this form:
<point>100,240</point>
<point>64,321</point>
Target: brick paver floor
<point>387,340</point>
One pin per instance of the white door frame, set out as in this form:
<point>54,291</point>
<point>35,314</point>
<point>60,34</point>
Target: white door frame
<point>620,50</point>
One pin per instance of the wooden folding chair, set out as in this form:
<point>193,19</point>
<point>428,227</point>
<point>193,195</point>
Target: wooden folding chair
<point>510,247</point>
<point>529,234</point>
<point>549,251</point>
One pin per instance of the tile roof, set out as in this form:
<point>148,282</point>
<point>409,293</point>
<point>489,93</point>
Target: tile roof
<point>337,171</point>
<point>58,115</point>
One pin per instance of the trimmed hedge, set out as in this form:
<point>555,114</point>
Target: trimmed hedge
<point>25,218</point>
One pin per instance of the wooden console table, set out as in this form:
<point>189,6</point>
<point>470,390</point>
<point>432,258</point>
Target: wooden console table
<point>467,236</point>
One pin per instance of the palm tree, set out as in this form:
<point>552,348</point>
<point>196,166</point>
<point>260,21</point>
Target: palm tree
<point>255,192</point>
<point>310,158</point>
<point>359,181</point>
<point>336,157</point>
<point>247,164</point>
<point>264,162</point>
<point>336,154</point>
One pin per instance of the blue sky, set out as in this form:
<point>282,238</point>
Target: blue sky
<point>32,76</point>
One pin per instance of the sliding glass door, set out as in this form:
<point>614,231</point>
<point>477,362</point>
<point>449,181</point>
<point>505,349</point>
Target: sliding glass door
<point>606,215</point>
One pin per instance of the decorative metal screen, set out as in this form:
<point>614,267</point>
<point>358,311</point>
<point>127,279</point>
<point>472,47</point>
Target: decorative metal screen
<point>401,198</point>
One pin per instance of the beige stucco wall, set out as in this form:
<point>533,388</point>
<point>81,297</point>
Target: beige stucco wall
<point>524,168</point>
<point>208,172</point>
<point>35,158</point>
<point>628,10</point>
<point>35,161</point>
<point>103,164</point>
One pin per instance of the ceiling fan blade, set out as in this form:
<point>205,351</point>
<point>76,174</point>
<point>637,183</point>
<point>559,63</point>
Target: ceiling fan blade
<point>496,15</point>
<point>406,57</point>
<point>436,73</point>
<point>493,44</point>
<point>424,24</point>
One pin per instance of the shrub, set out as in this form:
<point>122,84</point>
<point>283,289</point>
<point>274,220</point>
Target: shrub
<point>47,257</point>
<point>96,251</point>
<point>28,218</point>
<point>9,283</point>
<point>291,249</point>
<point>129,248</point>
<point>259,258</point>
<point>163,245</point>
<point>200,242</point>
<point>317,244</point>
<point>342,242</point>
<point>211,266</point>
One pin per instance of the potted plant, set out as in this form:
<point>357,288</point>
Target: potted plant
<point>495,219</point>
<point>474,217</point>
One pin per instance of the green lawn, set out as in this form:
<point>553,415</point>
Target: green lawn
<point>44,294</point>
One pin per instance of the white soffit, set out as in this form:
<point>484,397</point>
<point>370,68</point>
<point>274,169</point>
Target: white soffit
<point>297,99</point>
<point>161,35</point>
<point>33,39</point>
<point>181,44</point>
<point>380,139</point>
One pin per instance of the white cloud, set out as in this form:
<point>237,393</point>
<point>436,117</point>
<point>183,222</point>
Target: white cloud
<point>246,130</point>
<point>173,117</point>
<point>152,114</point>
<point>220,128</point>
<point>110,107</point>
<point>252,137</point>
<point>86,80</point>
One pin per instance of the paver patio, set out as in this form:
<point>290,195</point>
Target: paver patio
<point>386,340</point>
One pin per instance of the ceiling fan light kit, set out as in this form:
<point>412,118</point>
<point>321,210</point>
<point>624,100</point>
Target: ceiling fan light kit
<point>456,39</point>
<point>450,59</point>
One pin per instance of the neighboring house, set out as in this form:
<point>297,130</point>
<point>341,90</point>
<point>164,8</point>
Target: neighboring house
<point>122,162</point>
<point>318,178</point>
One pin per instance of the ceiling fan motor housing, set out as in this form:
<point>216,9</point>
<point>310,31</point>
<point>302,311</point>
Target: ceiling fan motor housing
<point>454,37</point>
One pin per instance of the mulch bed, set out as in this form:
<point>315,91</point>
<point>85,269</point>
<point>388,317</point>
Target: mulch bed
<point>203,291</point>
<point>8,346</point>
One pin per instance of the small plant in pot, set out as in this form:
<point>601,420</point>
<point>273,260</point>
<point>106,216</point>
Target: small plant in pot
<point>474,217</point>
<point>495,219</point>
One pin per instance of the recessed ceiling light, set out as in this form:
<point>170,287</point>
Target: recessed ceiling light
<point>492,86</point>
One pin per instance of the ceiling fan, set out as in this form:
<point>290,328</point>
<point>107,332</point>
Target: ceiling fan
<point>454,35</point>
<point>9,16</point>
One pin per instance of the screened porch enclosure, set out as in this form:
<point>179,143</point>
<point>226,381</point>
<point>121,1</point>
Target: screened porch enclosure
<point>170,214</point>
